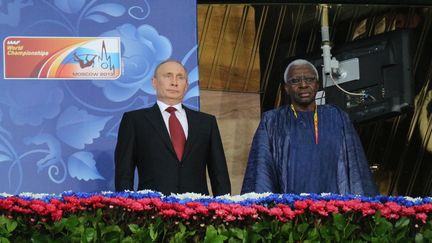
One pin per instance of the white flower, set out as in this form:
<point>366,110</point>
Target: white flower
<point>189,195</point>
<point>35,195</point>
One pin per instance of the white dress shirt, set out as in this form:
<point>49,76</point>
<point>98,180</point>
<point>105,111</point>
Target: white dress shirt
<point>180,114</point>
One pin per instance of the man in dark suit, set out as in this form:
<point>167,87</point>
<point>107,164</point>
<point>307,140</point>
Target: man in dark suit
<point>169,144</point>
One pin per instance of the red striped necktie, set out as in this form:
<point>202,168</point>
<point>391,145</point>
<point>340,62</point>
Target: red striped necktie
<point>178,138</point>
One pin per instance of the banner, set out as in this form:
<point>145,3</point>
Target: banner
<point>70,69</point>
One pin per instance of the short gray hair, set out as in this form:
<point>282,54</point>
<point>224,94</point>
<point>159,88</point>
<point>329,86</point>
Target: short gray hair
<point>166,61</point>
<point>299,62</point>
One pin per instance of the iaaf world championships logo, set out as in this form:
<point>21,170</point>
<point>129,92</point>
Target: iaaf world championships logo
<point>62,57</point>
<point>100,64</point>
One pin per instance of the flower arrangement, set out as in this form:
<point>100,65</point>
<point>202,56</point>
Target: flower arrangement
<point>150,216</point>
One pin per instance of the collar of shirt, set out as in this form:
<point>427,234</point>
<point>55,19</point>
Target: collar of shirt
<point>163,106</point>
<point>180,114</point>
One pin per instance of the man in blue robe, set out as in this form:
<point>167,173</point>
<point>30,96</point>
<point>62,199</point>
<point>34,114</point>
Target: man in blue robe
<point>307,148</point>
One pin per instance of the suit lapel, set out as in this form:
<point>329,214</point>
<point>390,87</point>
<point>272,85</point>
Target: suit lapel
<point>155,117</point>
<point>193,125</point>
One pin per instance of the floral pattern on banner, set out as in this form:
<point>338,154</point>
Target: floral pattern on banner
<point>62,133</point>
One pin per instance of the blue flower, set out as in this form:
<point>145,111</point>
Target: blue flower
<point>142,49</point>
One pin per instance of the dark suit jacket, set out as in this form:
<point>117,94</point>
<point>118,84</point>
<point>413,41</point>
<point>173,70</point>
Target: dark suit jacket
<point>144,143</point>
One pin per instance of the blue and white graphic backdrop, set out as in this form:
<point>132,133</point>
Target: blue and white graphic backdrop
<point>58,135</point>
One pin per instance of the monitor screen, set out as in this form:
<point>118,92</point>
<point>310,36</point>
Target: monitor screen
<point>384,74</point>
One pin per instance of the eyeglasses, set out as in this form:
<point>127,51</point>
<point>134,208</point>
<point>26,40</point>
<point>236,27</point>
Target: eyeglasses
<point>297,80</point>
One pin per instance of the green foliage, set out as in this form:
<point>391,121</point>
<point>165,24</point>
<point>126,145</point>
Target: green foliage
<point>111,225</point>
<point>7,228</point>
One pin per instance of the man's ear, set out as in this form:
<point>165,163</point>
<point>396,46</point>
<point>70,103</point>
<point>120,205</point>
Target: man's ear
<point>154,82</point>
<point>286,88</point>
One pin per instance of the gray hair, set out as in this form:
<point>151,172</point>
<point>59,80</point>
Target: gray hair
<point>166,61</point>
<point>298,62</point>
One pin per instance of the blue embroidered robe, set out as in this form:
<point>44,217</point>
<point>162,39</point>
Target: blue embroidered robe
<point>284,157</point>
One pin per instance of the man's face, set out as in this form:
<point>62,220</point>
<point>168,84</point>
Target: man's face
<point>170,83</point>
<point>302,86</point>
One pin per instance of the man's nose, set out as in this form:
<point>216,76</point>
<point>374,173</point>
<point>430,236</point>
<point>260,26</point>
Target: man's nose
<point>303,83</point>
<point>174,81</point>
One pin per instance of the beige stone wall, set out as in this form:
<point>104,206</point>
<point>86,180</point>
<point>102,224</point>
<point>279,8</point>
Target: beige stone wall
<point>238,115</point>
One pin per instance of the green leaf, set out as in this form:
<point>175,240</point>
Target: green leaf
<point>339,221</point>
<point>419,238</point>
<point>325,233</point>
<point>3,220</point>
<point>313,234</point>
<point>260,226</point>
<point>383,228</point>
<point>153,232</point>
<point>128,240</point>
<point>428,234</point>
<point>234,240</point>
<point>110,228</point>
<point>111,233</point>
<point>253,237</point>
<point>71,222</point>
<point>349,229</point>
<point>11,225</point>
<point>90,234</point>
<point>134,228</point>
<point>291,237</point>
<point>57,226</point>
<point>366,237</point>
<point>40,238</point>
<point>287,228</point>
<point>402,223</point>
<point>4,240</point>
<point>337,236</point>
<point>302,228</point>
<point>238,233</point>
<point>182,228</point>
<point>212,236</point>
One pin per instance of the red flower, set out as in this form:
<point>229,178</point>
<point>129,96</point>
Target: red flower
<point>288,212</point>
<point>38,208</point>
<point>261,209</point>
<point>275,212</point>
<point>145,202</point>
<point>394,216</point>
<point>422,217</point>
<point>213,206</point>
<point>331,208</point>
<point>369,211</point>
<point>168,213</point>
<point>319,207</point>
<point>156,201</point>
<point>20,210</point>
<point>194,204</point>
<point>300,204</point>
<point>386,212</point>
<point>22,202</point>
<point>57,215</point>
<point>136,206</point>
<point>407,211</point>
<point>202,210</point>
<point>50,208</point>
<point>394,207</point>
<point>230,218</point>
<point>247,211</point>
<point>221,213</point>
<point>6,203</point>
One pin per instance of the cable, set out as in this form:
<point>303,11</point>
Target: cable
<point>350,93</point>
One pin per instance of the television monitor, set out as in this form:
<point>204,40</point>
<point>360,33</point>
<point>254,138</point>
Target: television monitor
<point>385,74</point>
